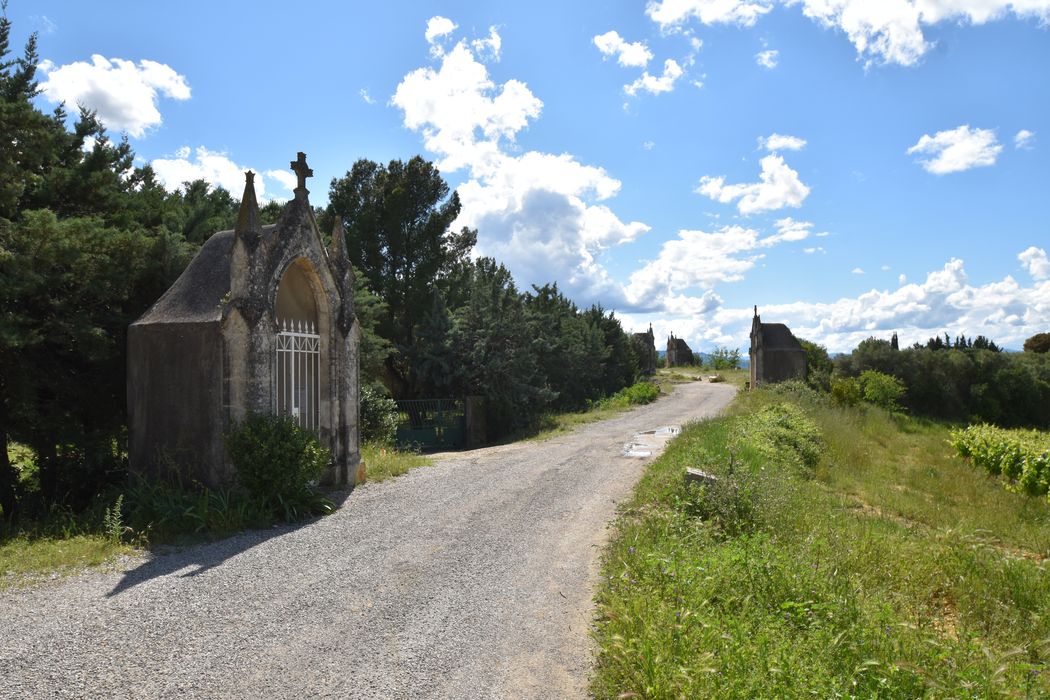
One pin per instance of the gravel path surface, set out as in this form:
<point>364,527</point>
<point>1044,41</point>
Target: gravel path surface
<point>469,579</point>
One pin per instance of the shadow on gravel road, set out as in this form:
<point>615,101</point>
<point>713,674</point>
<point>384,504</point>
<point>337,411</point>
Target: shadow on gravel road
<point>207,556</point>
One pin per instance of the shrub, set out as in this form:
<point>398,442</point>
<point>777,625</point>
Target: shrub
<point>276,462</point>
<point>378,416</point>
<point>781,432</point>
<point>640,393</point>
<point>795,388</point>
<point>882,389</point>
<point>845,392</point>
<point>730,503</point>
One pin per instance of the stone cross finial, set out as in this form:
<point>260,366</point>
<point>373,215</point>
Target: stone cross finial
<point>302,170</point>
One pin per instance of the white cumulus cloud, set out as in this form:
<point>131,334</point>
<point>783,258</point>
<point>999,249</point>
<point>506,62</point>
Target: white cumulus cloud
<point>1003,310</point>
<point>768,58</point>
<point>542,214</point>
<point>634,54</point>
<point>461,112</point>
<point>857,271</point>
<point>670,14</point>
<point>438,26</point>
<point>779,187</point>
<point>696,261</point>
<point>957,150</point>
<point>123,93</point>
<point>1023,139</point>
<point>657,84</point>
<point>1035,261</point>
<point>285,178</point>
<point>780,142</point>
<point>490,46</point>
<point>891,31</point>
<point>788,230</point>
<point>215,167</point>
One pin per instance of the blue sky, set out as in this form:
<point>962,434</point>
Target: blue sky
<point>853,167</point>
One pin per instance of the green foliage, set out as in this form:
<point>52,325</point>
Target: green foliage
<point>1038,343</point>
<point>881,389</point>
<point>818,365</point>
<point>730,503</point>
<point>496,352</point>
<point>725,358</point>
<point>378,416</point>
<point>782,434</point>
<point>162,512</point>
<point>845,392</point>
<point>773,583</point>
<point>374,349</point>
<point>397,219</point>
<point>639,394</point>
<point>113,520</point>
<point>70,287</point>
<point>1004,388</point>
<point>85,247</point>
<point>277,462</point>
<point>1021,456</point>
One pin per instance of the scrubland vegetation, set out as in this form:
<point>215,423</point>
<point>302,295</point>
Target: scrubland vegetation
<point>844,551</point>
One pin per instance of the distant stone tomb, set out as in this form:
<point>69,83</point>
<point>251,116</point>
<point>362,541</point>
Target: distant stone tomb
<point>678,352</point>
<point>645,346</point>
<point>261,321</point>
<point>776,354</point>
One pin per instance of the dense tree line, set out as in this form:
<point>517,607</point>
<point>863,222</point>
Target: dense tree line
<point>88,242</point>
<point>962,380</point>
<point>456,327</point>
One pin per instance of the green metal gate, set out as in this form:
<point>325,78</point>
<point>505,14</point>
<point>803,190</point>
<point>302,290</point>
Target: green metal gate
<point>429,423</point>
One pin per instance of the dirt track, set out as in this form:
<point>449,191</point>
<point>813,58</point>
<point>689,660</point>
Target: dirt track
<point>469,579</point>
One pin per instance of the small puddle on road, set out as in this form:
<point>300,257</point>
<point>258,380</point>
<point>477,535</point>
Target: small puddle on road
<point>650,442</point>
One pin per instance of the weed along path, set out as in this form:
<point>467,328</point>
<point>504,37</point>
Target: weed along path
<point>468,579</point>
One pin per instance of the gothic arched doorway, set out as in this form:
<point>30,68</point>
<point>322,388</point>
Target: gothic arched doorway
<point>298,367</point>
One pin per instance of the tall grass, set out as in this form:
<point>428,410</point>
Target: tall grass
<point>384,462</point>
<point>842,553</point>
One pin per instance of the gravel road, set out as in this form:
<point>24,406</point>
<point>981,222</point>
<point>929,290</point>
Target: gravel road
<point>469,579</point>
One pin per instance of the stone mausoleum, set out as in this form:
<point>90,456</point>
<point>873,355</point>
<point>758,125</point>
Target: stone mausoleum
<point>776,354</point>
<point>261,321</point>
<point>645,346</point>
<point>679,353</point>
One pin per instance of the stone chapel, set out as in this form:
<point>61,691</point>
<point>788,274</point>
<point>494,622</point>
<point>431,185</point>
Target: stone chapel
<point>261,321</point>
<point>645,346</point>
<point>776,355</point>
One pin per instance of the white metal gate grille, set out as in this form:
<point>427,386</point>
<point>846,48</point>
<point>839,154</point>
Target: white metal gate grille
<point>298,376</point>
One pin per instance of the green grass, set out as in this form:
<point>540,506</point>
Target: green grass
<point>551,424</point>
<point>27,559</point>
<point>61,542</point>
<point>889,568</point>
<point>382,462</point>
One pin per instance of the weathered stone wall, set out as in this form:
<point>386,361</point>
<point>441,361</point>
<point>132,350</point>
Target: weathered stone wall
<point>678,353</point>
<point>645,346</point>
<point>176,418</point>
<point>782,365</point>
